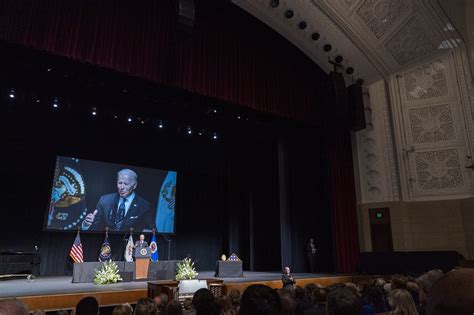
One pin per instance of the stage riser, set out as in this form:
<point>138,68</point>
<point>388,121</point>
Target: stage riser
<point>110,298</point>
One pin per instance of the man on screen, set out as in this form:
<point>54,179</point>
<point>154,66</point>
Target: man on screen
<point>122,210</point>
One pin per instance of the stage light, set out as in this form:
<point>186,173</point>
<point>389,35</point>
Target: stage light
<point>94,111</point>
<point>49,69</point>
<point>302,25</point>
<point>160,124</point>
<point>289,14</point>
<point>38,100</point>
<point>55,103</point>
<point>189,130</point>
<point>214,136</point>
<point>215,111</point>
<point>238,117</point>
<point>12,93</point>
<point>350,70</point>
<point>130,119</point>
<point>327,47</point>
<point>339,59</point>
<point>274,3</point>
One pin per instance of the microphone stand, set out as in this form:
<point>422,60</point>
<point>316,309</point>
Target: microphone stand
<point>169,244</point>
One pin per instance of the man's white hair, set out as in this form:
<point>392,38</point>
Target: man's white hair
<point>128,172</point>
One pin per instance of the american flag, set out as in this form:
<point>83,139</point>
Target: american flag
<point>76,250</point>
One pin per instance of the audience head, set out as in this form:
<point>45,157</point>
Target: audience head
<point>13,307</point>
<point>319,296</point>
<point>146,306</point>
<point>452,294</point>
<point>286,270</point>
<point>188,304</point>
<point>87,306</point>
<point>402,303</point>
<point>38,312</point>
<point>353,287</point>
<point>375,297</point>
<point>399,282</point>
<point>260,299</point>
<point>342,301</point>
<point>225,306</point>
<point>234,298</point>
<point>288,303</point>
<point>299,293</point>
<point>124,309</point>
<point>426,281</point>
<point>204,302</point>
<point>309,289</point>
<point>174,308</point>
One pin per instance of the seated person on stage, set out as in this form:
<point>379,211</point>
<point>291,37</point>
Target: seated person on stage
<point>122,210</point>
<point>287,279</point>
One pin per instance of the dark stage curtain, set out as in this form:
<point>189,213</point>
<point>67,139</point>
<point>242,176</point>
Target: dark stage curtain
<point>343,200</point>
<point>230,55</point>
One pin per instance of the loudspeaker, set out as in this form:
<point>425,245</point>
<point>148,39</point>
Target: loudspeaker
<point>186,14</point>
<point>356,107</point>
<point>339,91</point>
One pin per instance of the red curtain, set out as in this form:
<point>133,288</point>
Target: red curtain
<point>230,55</point>
<point>343,199</point>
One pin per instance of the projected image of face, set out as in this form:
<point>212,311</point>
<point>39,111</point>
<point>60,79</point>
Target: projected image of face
<point>126,183</point>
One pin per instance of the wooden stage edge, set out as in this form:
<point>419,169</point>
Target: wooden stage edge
<point>109,298</point>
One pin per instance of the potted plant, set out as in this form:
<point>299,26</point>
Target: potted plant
<point>109,273</point>
<point>187,275</point>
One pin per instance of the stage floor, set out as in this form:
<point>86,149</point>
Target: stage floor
<point>63,285</point>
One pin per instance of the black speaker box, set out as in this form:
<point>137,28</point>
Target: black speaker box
<point>356,107</point>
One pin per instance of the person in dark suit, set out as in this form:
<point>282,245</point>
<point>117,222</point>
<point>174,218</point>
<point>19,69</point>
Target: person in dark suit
<point>141,242</point>
<point>311,255</point>
<point>287,279</point>
<point>122,210</point>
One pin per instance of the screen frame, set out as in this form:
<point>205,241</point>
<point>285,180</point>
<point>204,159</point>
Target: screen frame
<point>46,212</point>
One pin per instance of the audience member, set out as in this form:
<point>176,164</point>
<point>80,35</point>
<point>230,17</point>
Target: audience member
<point>342,301</point>
<point>259,299</point>
<point>308,291</point>
<point>452,294</point>
<point>38,312</point>
<point>146,306</point>
<point>188,306</point>
<point>174,308</point>
<point>402,303</point>
<point>288,303</point>
<point>204,303</point>
<point>318,300</point>
<point>225,306</point>
<point>425,282</point>
<point>234,297</point>
<point>373,300</point>
<point>399,282</point>
<point>12,307</point>
<point>87,306</point>
<point>302,303</point>
<point>124,309</point>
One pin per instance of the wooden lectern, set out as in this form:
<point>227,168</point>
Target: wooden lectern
<point>142,260</point>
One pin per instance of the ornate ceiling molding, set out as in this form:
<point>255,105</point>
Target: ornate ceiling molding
<point>376,37</point>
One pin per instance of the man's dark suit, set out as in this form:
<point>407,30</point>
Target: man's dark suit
<point>139,215</point>
<point>137,244</point>
<point>288,282</point>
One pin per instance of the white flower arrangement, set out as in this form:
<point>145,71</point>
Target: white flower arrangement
<point>109,273</point>
<point>185,270</point>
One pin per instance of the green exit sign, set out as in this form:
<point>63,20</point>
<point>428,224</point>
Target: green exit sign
<point>379,215</point>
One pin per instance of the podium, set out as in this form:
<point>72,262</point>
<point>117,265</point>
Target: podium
<point>142,261</point>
